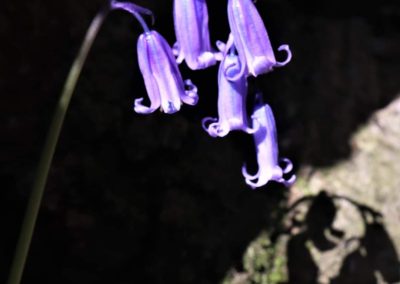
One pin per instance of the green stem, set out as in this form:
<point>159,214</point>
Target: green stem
<point>46,158</point>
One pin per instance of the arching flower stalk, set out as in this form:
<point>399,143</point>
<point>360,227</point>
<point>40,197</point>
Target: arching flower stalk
<point>232,114</point>
<point>133,9</point>
<point>266,143</point>
<point>192,34</point>
<point>251,39</point>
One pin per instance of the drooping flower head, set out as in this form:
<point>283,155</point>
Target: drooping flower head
<point>163,81</point>
<point>232,114</point>
<point>251,39</point>
<point>161,75</point>
<point>192,35</point>
<point>265,139</point>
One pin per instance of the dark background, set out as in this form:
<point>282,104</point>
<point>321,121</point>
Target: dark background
<point>154,199</point>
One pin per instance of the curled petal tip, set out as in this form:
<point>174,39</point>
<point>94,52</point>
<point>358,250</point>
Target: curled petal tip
<point>248,176</point>
<point>220,45</point>
<point>250,130</point>
<point>286,48</point>
<point>205,121</point>
<point>288,182</point>
<point>212,132</point>
<point>206,124</point>
<point>221,130</point>
<point>142,109</point>
<point>288,165</point>
<point>175,49</point>
<point>236,76</point>
<point>255,128</point>
<point>176,52</point>
<point>253,185</point>
<point>190,97</point>
<point>292,180</point>
<point>215,129</point>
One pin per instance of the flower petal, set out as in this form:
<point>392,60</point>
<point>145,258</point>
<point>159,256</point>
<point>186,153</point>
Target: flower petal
<point>286,48</point>
<point>190,96</point>
<point>265,139</point>
<point>162,78</point>
<point>251,38</point>
<point>144,60</point>
<point>191,29</point>
<point>248,176</point>
<point>232,114</point>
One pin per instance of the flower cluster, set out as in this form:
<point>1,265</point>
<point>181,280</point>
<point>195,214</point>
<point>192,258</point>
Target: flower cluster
<point>247,52</point>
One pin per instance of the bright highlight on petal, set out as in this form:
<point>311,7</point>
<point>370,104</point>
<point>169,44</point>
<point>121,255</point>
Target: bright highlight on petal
<point>265,139</point>
<point>251,38</point>
<point>192,35</point>
<point>161,75</point>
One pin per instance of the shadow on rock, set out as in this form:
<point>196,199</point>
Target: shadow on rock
<point>319,253</point>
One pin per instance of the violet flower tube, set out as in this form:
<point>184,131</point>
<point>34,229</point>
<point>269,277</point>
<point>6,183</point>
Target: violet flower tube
<point>265,139</point>
<point>163,81</point>
<point>231,97</point>
<point>161,75</point>
<point>251,39</point>
<point>192,35</point>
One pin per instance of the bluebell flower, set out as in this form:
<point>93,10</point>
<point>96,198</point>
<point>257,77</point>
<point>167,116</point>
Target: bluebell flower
<point>192,35</point>
<point>251,39</point>
<point>161,75</point>
<point>163,81</point>
<point>265,139</point>
<point>232,114</point>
